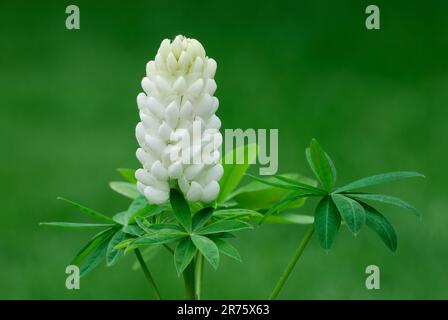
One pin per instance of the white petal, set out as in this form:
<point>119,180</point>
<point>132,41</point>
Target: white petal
<point>214,173</point>
<point>151,68</point>
<point>210,192</point>
<point>214,123</point>
<point>140,134</point>
<point>172,114</point>
<point>183,185</point>
<point>163,84</point>
<point>148,86</point>
<point>165,47</point>
<point>145,158</point>
<point>210,68</point>
<point>175,170</point>
<point>159,171</point>
<point>165,131</point>
<point>171,62</point>
<point>180,85</point>
<point>186,111</point>
<point>155,107</point>
<point>141,101</point>
<point>195,192</point>
<point>155,144</point>
<point>192,171</point>
<point>196,87</point>
<point>210,87</point>
<point>198,65</point>
<point>156,196</point>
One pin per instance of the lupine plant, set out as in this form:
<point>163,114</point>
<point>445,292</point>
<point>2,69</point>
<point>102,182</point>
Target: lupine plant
<point>191,209</point>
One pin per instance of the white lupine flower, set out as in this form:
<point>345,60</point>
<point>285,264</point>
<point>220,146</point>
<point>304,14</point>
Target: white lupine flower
<point>177,102</point>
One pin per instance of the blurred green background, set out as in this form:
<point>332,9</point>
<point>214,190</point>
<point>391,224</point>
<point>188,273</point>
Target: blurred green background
<point>376,101</point>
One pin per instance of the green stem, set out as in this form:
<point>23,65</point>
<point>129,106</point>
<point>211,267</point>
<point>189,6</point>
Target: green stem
<point>199,273</point>
<point>189,282</point>
<point>148,275</point>
<point>292,263</point>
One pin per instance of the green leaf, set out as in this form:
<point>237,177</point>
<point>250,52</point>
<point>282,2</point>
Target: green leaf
<point>286,218</point>
<point>327,221</point>
<point>269,182</point>
<point>227,249</point>
<point>236,214</point>
<point>160,237</point>
<point>321,166</point>
<point>233,173</point>
<point>301,185</point>
<point>288,201</point>
<point>91,245</point>
<point>351,211</point>
<point>224,226</point>
<point>95,257</point>
<point>378,179</point>
<point>208,249</point>
<point>385,199</point>
<point>74,225</point>
<point>183,254</point>
<point>259,195</point>
<point>377,222</point>
<point>181,209</point>
<point>89,211</point>
<point>201,217</point>
<point>113,254</point>
<point>128,174</point>
<point>140,207</point>
<point>133,230</point>
<point>148,253</point>
<point>126,189</point>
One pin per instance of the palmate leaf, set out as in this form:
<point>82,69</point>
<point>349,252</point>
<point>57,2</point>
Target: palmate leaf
<point>384,199</point>
<point>327,221</point>
<point>377,222</point>
<point>351,211</point>
<point>321,165</point>
<point>128,174</point>
<point>202,217</point>
<point>378,179</point>
<point>181,209</point>
<point>113,254</point>
<point>75,225</point>
<point>227,249</point>
<point>234,172</point>
<point>89,211</point>
<point>224,226</point>
<point>183,254</point>
<point>126,189</point>
<point>208,249</point>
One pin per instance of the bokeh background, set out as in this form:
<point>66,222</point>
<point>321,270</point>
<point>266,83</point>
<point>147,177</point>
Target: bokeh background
<point>376,100</point>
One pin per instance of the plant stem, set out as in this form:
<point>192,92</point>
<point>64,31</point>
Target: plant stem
<point>148,275</point>
<point>199,273</point>
<point>292,263</point>
<point>189,282</point>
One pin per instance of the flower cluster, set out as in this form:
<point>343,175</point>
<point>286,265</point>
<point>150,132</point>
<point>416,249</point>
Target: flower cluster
<point>179,97</point>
